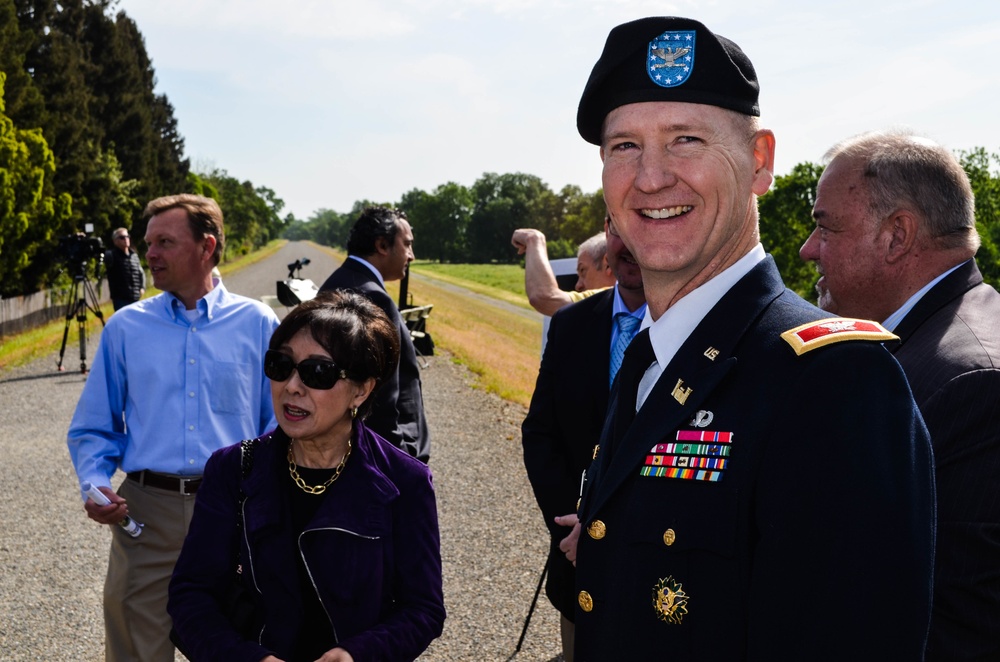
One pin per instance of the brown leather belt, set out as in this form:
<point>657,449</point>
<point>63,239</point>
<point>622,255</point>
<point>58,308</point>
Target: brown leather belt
<point>185,486</point>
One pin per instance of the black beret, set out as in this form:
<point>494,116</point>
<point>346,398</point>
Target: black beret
<point>666,59</point>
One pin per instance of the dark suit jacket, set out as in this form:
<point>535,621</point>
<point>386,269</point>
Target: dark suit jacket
<point>398,412</point>
<point>950,351</point>
<point>564,424</point>
<point>817,541</point>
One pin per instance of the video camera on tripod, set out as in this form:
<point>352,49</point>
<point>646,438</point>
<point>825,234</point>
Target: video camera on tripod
<point>77,251</point>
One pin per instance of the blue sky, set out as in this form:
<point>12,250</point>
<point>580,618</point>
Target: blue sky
<point>328,102</point>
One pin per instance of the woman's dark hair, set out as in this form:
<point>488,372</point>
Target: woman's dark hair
<point>359,337</point>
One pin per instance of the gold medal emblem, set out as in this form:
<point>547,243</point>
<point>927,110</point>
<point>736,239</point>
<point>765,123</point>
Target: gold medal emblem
<point>669,600</point>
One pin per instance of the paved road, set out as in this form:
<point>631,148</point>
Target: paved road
<point>53,559</point>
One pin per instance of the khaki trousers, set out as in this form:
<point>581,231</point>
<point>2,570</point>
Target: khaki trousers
<point>136,623</point>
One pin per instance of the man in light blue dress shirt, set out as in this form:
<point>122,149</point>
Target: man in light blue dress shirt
<point>176,377</point>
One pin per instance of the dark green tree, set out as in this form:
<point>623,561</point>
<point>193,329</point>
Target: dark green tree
<point>252,214</point>
<point>981,167</point>
<point>23,100</point>
<point>504,203</point>
<point>583,215</point>
<point>137,124</point>
<point>440,221</point>
<point>30,214</point>
<point>786,222</point>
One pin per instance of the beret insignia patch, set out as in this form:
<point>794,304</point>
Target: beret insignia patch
<point>810,336</point>
<point>671,58</point>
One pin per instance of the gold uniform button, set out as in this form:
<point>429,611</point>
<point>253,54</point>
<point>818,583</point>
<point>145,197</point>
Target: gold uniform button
<point>597,530</point>
<point>586,602</point>
<point>669,537</point>
<point>596,448</point>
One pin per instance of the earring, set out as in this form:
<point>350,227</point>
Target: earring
<point>354,412</point>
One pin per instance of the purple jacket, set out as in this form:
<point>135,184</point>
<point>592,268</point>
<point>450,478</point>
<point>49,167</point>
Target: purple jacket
<point>373,551</point>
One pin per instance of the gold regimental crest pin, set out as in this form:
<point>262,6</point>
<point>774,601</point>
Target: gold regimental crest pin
<point>670,601</point>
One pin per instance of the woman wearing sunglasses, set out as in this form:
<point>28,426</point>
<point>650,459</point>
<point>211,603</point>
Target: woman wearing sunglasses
<point>337,538</point>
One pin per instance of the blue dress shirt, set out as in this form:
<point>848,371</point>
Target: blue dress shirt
<point>164,393</point>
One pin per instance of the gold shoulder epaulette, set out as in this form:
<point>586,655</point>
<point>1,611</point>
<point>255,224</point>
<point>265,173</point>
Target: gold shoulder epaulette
<point>809,336</point>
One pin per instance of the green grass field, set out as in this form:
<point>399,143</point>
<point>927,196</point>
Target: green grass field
<point>500,281</point>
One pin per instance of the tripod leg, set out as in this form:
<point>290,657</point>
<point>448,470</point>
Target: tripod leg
<point>92,302</point>
<point>70,314</point>
<point>82,322</point>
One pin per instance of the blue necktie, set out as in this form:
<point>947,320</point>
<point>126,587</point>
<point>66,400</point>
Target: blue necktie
<point>628,326</point>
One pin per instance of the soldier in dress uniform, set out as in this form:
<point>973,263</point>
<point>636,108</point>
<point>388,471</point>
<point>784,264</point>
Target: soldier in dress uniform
<point>763,486</point>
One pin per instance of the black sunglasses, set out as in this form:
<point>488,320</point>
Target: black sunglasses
<point>320,374</point>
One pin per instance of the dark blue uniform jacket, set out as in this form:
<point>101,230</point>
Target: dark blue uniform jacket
<point>813,540</point>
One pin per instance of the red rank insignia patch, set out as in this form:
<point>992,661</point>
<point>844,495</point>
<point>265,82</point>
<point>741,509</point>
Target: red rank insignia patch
<point>809,336</point>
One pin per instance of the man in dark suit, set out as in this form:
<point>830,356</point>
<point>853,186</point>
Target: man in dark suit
<point>895,240</point>
<point>568,408</point>
<point>379,249</point>
<point>763,488</point>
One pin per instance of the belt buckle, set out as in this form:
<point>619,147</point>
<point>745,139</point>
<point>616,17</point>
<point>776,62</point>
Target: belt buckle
<point>182,485</point>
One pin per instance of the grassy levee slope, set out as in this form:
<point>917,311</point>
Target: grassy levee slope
<point>502,348</point>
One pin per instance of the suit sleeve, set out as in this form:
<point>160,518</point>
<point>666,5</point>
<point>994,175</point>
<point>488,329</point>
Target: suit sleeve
<point>844,516</point>
<point>964,421</point>
<point>385,416</point>
<point>546,455</point>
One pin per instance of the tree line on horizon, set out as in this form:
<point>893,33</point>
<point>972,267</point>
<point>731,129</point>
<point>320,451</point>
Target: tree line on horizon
<point>459,224</point>
<point>85,139</point>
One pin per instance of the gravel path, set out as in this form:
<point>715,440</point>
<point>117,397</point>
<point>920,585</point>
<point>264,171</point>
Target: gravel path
<point>53,559</point>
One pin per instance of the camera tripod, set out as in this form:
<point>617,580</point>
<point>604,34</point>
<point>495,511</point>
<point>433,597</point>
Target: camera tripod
<point>82,297</point>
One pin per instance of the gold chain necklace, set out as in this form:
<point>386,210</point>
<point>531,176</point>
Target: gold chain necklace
<point>315,489</point>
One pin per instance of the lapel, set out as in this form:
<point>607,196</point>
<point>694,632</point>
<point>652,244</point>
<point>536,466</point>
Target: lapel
<point>951,287</point>
<point>663,412</point>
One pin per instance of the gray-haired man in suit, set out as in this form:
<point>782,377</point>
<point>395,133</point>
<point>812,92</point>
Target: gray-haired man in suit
<point>895,241</point>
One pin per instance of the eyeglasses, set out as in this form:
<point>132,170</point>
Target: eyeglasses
<point>320,374</point>
<point>122,236</point>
